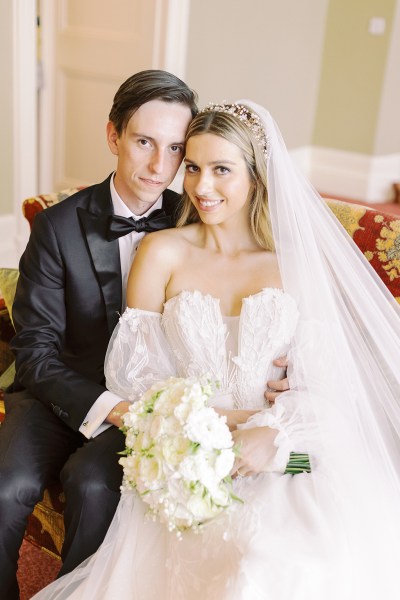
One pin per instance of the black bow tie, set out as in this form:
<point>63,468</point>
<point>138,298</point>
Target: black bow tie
<point>120,226</point>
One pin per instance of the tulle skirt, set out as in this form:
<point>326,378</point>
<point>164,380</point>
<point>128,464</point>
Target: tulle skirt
<point>286,541</point>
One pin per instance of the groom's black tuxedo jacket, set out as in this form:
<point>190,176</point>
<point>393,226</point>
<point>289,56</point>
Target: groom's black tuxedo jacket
<point>68,302</point>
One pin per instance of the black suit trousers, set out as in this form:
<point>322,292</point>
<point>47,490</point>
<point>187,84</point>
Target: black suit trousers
<point>36,447</point>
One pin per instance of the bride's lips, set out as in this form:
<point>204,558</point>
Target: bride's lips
<point>208,204</point>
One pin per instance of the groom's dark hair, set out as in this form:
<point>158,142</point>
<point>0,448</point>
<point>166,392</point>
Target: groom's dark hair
<point>145,86</point>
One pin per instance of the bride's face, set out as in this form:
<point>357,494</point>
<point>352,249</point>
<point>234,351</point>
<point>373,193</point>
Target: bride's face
<point>216,178</point>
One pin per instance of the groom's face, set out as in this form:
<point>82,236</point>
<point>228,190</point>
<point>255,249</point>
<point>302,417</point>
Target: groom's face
<point>149,152</point>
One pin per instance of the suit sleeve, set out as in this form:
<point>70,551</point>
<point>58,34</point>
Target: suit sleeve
<point>40,320</point>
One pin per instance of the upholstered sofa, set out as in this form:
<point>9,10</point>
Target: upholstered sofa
<point>376,233</point>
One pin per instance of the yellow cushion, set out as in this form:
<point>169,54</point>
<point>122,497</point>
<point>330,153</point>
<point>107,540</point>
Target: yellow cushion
<point>8,285</point>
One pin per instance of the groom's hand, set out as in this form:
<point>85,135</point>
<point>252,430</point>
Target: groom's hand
<point>276,387</point>
<point>115,416</point>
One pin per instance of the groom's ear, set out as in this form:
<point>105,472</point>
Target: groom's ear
<point>112,137</point>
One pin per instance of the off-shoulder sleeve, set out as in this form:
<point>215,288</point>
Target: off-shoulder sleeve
<point>138,354</point>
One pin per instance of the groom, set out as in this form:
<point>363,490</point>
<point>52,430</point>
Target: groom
<point>73,273</point>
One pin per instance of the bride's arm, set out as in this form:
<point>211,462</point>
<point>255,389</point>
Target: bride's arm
<point>151,271</point>
<point>235,417</point>
<point>138,353</point>
<point>257,450</point>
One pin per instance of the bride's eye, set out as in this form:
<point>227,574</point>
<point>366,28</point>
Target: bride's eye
<point>222,170</point>
<point>191,169</point>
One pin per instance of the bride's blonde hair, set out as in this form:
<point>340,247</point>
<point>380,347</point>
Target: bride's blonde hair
<point>234,130</point>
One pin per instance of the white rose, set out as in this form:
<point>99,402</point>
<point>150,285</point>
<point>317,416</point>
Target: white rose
<point>224,463</point>
<point>145,423</point>
<point>200,507</point>
<point>198,467</point>
<point>205,427</point>
<point>188,468</point>
<point>221,496</point>
<point>182,411</point>
<point>142,442</point>
<point>172,427</point>
<point>157,427</point>
<point>149,470</point>
<point>174,449</point>
<point>130,465</point>
<point>130,439</point>
<point>130,418</point>
<point>195,396</point>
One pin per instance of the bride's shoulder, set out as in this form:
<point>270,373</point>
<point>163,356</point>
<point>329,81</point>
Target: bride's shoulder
<point>270,269</point>
<point>167,240</point>
<point>165,244</point>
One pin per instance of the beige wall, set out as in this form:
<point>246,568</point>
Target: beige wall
<point>266,50</point>
<point>6,146</point>
<point>325,79</point>
<point>387,139</point>
<point>352,76</point>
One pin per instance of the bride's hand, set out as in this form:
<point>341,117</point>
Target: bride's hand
<point>235,417</point>
<point>256,450</point>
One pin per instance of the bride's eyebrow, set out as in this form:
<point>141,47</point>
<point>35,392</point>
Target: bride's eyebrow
<point>213,162</point>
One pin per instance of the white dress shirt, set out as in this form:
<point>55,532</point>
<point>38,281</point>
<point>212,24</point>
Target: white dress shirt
<point>94,422</point>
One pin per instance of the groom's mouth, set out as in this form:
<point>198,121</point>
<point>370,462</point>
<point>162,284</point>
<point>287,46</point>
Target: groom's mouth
<point>151,182</point>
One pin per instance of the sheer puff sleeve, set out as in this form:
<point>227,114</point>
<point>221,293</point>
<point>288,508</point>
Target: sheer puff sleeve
<point>138,354</point>
<point>287,417</point>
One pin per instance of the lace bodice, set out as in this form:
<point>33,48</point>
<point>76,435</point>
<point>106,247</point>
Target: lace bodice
<point>189,339</point>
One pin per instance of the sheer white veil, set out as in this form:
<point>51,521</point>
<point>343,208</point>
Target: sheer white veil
<point>346,356</point>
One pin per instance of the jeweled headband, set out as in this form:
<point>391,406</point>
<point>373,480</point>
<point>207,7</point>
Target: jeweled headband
<point>249,118</point>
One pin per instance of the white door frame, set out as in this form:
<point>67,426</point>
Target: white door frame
<point>24,93</point>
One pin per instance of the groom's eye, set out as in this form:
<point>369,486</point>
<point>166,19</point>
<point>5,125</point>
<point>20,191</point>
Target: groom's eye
<point>176,148</point>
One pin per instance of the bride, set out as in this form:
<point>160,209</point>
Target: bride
<point>257,268</point>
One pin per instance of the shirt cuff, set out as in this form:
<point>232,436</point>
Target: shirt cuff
<point>94,422</point>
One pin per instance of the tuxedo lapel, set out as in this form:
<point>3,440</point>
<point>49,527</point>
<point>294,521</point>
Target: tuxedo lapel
<point>105,256</point>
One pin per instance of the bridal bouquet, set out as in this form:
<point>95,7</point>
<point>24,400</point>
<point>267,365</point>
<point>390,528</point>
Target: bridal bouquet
<point>178,454</point>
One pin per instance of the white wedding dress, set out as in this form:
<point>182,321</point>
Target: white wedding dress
<point>285,542</point>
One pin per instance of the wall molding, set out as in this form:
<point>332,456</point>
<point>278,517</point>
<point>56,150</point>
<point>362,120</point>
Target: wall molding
<point>349,174</point>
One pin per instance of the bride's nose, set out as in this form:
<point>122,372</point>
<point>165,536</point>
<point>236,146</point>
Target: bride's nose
<point>204,184</point>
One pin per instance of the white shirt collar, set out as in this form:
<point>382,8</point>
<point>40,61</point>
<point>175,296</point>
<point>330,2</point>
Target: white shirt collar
<point>121,209</point>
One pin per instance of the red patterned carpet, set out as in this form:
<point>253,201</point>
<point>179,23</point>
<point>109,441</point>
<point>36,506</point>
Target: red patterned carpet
<point>36,569</point>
